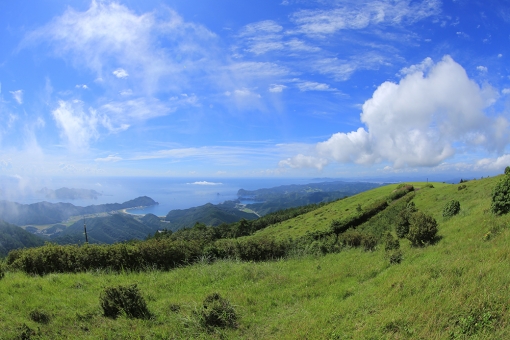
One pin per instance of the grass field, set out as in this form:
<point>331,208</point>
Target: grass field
<point>456,288</point>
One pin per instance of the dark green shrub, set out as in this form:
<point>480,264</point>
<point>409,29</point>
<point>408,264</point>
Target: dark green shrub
<point>124,299</point>
<point>2,273</point>
<point>422,229</point>
<point>395,256</point>
<point>501,197</point>
<point>391,243</point>
<point>368,242</point>
<point>39,316</point>
<point>451,208</point>
<point>260,249</point>
<point>461,187</point>
<point>402,223</point>
<point>217,312</point>
<point>507,171</point>
<point>25,332</point>
<point>351,238</point>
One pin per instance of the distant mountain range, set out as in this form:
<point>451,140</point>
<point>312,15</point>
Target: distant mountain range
<point>119,227</point>
<point>288,196</point>
<point>49,213</point>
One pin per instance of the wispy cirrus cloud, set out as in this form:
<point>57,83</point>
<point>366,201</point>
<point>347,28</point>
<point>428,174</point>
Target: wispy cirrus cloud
<point>359,15</point>
<point>18,96</point>
<point>109,158</point>
<point>314,86</point>
<point>109,35</point>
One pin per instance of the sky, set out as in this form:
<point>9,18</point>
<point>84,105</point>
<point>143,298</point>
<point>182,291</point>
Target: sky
<point>228,88</point>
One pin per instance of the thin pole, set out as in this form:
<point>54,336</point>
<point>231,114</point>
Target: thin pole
<point>85,228</point>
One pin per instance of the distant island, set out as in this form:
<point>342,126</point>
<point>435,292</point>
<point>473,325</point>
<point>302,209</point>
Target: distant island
<point>69,194</point>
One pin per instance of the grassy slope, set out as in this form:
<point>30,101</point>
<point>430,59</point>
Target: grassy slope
<point>457,288</point>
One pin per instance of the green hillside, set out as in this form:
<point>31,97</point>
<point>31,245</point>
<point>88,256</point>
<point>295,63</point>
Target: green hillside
<point>454,288</point>
<point>14,237</point>
<point>109,229</point>
<point>208,214</point>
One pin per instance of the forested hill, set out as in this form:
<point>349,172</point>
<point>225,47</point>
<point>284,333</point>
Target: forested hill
<point>49,213</point>
<point>208,214</point>
<point>14,237</point>
<point>347,188</point>
<point>109,230</point>
<point>288,196</point>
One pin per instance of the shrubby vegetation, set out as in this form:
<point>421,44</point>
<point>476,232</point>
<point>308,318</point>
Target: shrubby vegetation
<point>451,208</point>
<point>501,195</point>
<point>124,299</point>
<point>217,312</point>
<point>422,229</point>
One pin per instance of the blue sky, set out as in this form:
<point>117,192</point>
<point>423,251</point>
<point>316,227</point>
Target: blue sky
<point>254,88</point>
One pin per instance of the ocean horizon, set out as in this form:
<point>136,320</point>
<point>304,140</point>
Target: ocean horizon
<point>170,193</point>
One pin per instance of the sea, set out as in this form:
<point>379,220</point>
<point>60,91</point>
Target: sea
<point>170,193</point>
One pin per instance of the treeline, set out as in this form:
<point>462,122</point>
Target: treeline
<point>205,243</point>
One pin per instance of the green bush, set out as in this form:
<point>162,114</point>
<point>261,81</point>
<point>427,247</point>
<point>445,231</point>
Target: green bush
<point>25,332</point>
<point>217,312</point>
<point>39,316</point>
<point>124,299</point>
<point>402,223</point>
<point>391,243</point>
<point>395,256</point>
<point>451,208</point>
<point>368,242</point>
<point>422,229</point>
<point>501,197</point>
<point>507,171</point>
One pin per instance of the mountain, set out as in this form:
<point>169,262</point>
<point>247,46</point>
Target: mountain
<point>14,237</point>
<point>50,213</point>
<point>209,214</point>
<point>269,200</point>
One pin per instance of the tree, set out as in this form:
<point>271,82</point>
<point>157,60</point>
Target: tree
<point>422,229</point>
<point>501,197</point>
<point>507,171</point>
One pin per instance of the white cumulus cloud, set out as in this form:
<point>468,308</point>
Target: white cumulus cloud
<point>120,73</point>
<point>421,120</point>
